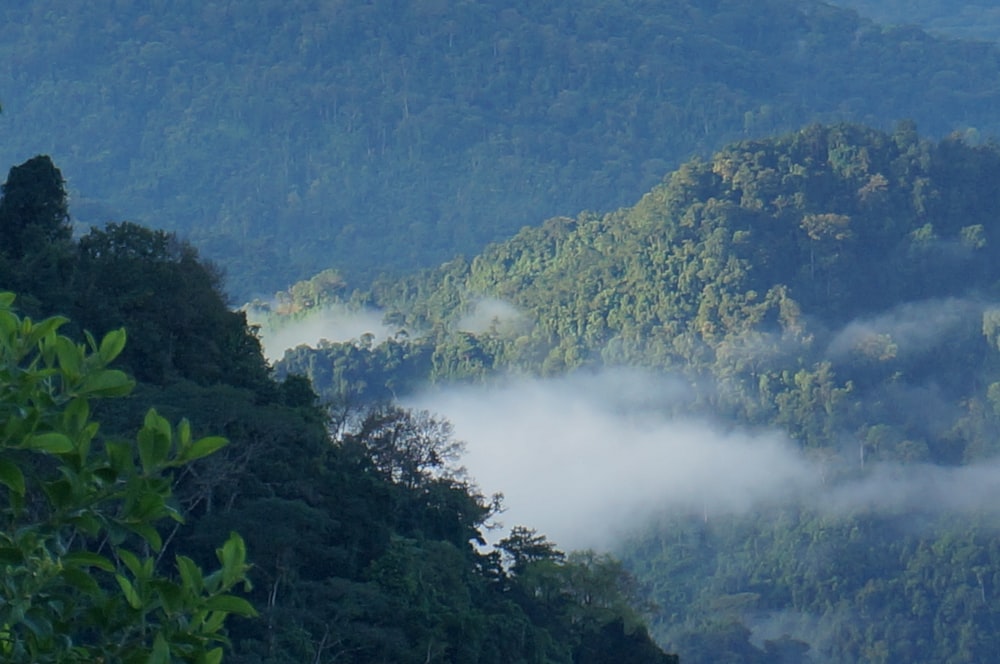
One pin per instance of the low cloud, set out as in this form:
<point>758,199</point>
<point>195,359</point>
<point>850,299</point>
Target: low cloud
<point>333,324</point>
<point>912,328</point>
<point>488,313</point>
<point>587,459</point>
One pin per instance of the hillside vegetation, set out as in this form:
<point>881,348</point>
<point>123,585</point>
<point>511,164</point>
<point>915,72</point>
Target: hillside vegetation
<point>967,20</point>
<point>838,283</point>
<point>362,539</point>
<point>290,137</point>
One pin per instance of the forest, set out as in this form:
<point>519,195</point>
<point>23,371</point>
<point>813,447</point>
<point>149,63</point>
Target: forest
<point>299,534</point>
<point>291,137</point>
<point>605,331</point>
<point>968,20</point>
<point>837,284</point>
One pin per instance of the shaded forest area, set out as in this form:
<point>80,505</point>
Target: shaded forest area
<point>290,137</point>
<point>364,537</point>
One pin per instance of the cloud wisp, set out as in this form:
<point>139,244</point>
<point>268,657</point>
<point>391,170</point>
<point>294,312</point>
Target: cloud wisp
<point>587,459</point>
<point>334,324</point>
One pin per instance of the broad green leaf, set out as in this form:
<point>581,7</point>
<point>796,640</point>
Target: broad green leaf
<point>112,345</point>
<point>54,442</point>
<point>190,575</point>
<point>147,450</point>
<point>107,383</point>
<point>131,562</point>
<point>59,493</point>
<point>7,299</point>
<point>11,476</point>
<point>81,580</point>
<point>171,595</point>
<point>214,622</point>
<point>120,457</point>
<point>148,533</point>
<point>161,651</point>
<point>43,329</point>
<point>131,596</point>
<point>76,414</point>
<point>232,555</point>
<point>70,356</point>
<point>231,604</point>
<point>203,447</point>
<point>213,656</point>
<point>88,559</point>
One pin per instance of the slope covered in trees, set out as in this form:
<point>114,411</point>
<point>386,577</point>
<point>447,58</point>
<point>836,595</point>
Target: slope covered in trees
<point>838,283</point>
<point>968,20</point>
<point>289,137</point>
<point>365,539</point>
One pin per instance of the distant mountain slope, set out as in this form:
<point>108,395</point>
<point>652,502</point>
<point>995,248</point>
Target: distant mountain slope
<point>966,20</point>
<point>288,137</point>
<point>837,263</point>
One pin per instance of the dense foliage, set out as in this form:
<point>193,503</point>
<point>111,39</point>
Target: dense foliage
<point>288,137</point>
<point>79,544</point>
<point>838,283</point>
<point>979,19</point>
<point>364,537</point>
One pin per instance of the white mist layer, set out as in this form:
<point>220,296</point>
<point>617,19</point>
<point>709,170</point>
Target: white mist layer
<point>586,460</point>
<point>333,324</point>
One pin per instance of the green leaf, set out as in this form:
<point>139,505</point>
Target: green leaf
<point>112,345</point>
<point>70,356</point>
<point>81,580</point>
<point>107,383</point>
<point>7,299</point>
<point>154,441</point>
<point>131,562</point>
<point>11,476</point>
<point>203,447</point>
<point>190,575</point>
<point>231,604</point>
<point>53,442</point>
<point>76,414</point>
<point>161,651</point>
<point>43,329</point>
<point>120,457</point>
<point>148,533</point>
<point>131,596</point>
<point>213,656</point>
<point>88,559</point>
<point>233,555</point>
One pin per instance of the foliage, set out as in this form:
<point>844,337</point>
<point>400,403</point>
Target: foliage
<point>388,136</point>
<point>79,548</point>
<point>837,283</point>
<point>968,20</point>
<point>364,543</point>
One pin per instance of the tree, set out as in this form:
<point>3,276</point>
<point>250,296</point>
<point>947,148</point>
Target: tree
<point>80,577</point>
<point>34,211</point>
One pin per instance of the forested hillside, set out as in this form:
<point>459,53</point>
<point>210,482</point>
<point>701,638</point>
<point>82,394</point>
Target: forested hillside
<point>838,284</point>
<point>967,20</point>
<point>364,540</point>
<point>285,138</point>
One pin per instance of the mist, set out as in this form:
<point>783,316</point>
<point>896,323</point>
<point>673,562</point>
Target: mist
<point>336,323</point>
<point>589,458</point>
<point>913,328</point>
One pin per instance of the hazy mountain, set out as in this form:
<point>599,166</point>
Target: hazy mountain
<point>967,20</point>
<point>290,137</point>
<point>803,445</point>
